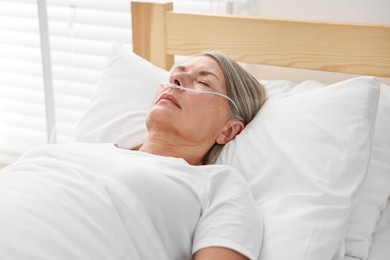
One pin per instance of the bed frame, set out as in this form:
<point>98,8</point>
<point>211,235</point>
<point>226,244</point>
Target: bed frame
<point>159,33</point>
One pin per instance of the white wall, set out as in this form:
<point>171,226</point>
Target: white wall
<point>355,11</point>
<point>349,11</point>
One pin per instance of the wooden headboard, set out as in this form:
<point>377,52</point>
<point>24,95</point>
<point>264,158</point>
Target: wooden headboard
<point>159,33</point>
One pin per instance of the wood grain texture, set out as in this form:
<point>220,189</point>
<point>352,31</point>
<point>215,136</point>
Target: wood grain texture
<point>148,20</point>
<point>347,48</point>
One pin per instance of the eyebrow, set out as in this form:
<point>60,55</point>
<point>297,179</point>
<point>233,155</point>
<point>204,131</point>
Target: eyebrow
<point>202,73</point>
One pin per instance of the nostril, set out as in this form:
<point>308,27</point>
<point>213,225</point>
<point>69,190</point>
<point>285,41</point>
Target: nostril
<point>177,82</point>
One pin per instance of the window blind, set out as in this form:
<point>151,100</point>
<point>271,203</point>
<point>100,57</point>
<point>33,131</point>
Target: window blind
<point>81,34</point>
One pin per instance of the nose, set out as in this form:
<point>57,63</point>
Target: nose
<point>181,79</point>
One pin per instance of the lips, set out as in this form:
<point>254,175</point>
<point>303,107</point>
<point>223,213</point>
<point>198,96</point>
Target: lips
<point>169,98</point>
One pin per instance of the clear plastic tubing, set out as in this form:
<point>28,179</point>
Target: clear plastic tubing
<point>172,85</point>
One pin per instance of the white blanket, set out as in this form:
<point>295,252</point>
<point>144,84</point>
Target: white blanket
<point>53,210</point>
<point>95,201</point>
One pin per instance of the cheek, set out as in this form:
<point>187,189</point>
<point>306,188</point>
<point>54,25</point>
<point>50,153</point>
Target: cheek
<point>200,102</point>
<point>209,107</point>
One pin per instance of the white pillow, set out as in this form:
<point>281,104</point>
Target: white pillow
<point>376,189</point>
<point>295,143</point>
<point>380,249</point>
<point>305,155</point>
<point>119,106</point>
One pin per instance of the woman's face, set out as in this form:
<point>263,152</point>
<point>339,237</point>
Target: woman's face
<point>191,117</point>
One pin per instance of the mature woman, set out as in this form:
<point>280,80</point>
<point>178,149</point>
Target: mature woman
<point>162,200</point>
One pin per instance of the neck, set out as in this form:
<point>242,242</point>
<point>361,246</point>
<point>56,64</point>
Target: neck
<point>192,154</point>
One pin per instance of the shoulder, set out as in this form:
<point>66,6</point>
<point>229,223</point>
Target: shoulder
<point>226,176</point>
<point>229,208</point>
<point>221,171</point>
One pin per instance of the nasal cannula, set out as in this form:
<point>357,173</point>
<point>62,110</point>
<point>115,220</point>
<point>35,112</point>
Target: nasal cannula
<point>172,85</point>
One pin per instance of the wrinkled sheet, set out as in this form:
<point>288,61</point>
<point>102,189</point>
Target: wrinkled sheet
<point>52,210</point>
<point>380,248</point>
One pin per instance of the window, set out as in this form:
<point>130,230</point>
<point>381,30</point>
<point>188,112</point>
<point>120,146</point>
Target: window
<point>81,34</point>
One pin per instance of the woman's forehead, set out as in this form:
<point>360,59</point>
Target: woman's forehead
<point>201,62</point>
<point>202,65</point>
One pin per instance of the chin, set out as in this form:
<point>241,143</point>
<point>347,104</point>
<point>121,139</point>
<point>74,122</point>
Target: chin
<point>161,117</point>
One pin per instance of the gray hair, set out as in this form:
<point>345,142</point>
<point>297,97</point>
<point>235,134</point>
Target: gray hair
<point>246,91</point>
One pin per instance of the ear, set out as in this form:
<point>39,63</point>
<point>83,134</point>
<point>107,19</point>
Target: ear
<point>231,129</point>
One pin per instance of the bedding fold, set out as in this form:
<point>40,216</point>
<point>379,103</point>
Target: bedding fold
<point>61,211</point>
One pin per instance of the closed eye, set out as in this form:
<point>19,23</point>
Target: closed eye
<point>205,83</point>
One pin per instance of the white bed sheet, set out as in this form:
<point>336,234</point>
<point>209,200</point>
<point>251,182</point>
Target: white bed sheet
<point>96,201</point>
<point>74,213</point>
<point>380,248</point>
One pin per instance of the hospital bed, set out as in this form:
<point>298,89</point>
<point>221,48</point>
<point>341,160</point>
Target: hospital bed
<point>283,156</point>
<point>316,156</point>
